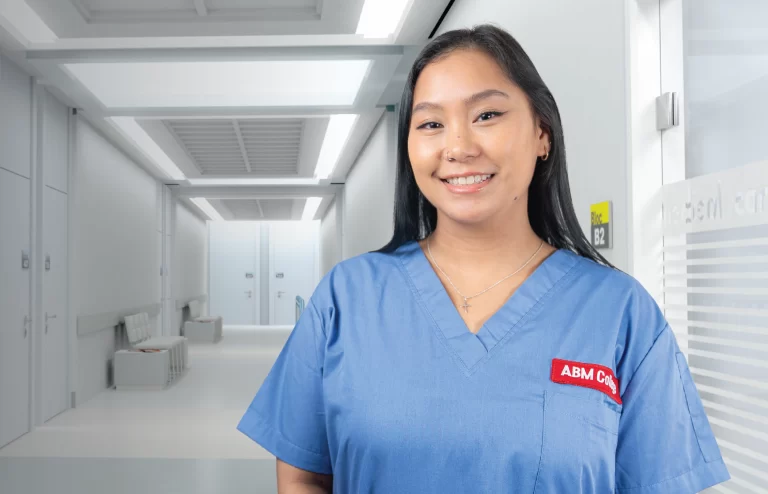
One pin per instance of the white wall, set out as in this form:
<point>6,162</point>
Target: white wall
<point>369,192</point>
<point>330,250</point>
<point>116,246</point>
<point>189,273</point>
<point>579,50</point>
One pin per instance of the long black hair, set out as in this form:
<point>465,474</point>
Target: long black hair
<point>550,207</point>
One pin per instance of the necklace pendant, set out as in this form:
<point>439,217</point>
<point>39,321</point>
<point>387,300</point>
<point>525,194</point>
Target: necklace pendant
<point>466,306</point>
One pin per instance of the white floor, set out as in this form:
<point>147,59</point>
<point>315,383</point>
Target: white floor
<point>186,432</point>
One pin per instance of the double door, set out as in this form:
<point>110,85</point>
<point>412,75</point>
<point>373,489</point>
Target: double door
<point>34,260</point>
<point>257,269</point>
<point>16,323</point>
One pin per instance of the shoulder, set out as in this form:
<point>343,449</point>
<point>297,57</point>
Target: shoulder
<point>604,276</point>
<point>356,277</point>
<point>639,320</point>
<point>615,287</point>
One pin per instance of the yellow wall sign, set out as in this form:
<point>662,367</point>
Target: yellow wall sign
<point>600,218</point>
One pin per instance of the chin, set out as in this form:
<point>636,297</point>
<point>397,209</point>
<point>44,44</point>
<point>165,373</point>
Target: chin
<point>468,215</point>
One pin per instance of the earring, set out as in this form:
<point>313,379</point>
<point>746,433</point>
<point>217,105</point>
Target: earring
<point>546,157</point>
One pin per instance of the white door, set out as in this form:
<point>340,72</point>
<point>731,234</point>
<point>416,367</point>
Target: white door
<point>55,316</point>
<point>234,272</point>
<point>293,267</point>
<point>54,347</point>
<point>15,328</point>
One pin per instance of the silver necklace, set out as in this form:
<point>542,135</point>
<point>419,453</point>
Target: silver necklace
<point>466,305</point>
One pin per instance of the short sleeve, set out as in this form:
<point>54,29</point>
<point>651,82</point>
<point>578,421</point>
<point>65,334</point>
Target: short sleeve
<point>666,444</point>
<point>287,416</point>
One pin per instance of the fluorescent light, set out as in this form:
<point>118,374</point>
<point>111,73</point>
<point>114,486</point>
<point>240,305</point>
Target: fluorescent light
<point>339,129</point>
<point>380,18</point>
<point>132,131</point>
<point>206,208</point>
<point>253,181</point>
<point>223,84</point>
<point>24,23</point>
<point>310,208</point>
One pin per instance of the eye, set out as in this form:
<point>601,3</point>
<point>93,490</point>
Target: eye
<point>485,116</point>
<point>429,126</point>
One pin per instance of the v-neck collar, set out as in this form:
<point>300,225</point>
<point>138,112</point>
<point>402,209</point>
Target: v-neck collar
<point>470,348</point>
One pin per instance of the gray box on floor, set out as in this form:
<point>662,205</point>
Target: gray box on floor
<point>137,369</point>
<point>206,328</point>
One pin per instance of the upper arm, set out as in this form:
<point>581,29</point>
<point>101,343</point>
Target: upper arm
<point>665,441</point>
<point>288,476</point>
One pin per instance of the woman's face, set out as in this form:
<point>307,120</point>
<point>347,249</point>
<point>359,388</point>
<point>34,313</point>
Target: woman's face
<point>474,139</point>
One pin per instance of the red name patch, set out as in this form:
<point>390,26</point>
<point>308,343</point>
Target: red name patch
<point>592,376</point>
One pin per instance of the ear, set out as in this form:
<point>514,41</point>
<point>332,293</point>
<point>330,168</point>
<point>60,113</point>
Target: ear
<point>544,138</point>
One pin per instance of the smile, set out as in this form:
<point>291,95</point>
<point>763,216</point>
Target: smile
<point>467,184</point>
<point>471,180</point>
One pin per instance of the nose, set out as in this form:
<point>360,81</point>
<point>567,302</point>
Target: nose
<point>460,145</point>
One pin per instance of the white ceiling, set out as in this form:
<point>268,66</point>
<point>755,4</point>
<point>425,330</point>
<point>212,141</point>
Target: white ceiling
<point>223,83</point>
<point>222,89</point>
<point>130,18</point>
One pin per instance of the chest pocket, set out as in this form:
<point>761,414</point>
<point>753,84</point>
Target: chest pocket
<point>578,452</point>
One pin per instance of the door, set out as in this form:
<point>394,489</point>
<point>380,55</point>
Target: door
<point>716,218</point>
<point>234,272</point>
<point>293,267</point>
<point>55,314</point>
<point>54,344</point>
<point>15,325</point>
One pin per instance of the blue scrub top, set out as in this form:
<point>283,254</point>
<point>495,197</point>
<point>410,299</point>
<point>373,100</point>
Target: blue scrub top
<point>382,385</point>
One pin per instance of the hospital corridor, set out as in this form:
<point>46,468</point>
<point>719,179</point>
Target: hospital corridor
<point>183,181</point>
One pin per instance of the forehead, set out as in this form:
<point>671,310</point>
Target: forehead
<point>459,74</point>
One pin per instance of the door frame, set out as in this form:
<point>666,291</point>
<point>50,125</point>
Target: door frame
<point>36,229</point>
<point>72,300</point>
<point>655,158</point>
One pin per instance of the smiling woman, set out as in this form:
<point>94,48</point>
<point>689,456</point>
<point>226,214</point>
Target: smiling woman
<point>521,361</point>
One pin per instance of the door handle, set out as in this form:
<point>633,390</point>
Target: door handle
<point>46,321</point>
<point>27,320</point>
<point>280,294</point>
<point>250,293</point>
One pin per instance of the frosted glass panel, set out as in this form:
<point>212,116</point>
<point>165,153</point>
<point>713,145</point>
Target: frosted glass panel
<point>726,84</point>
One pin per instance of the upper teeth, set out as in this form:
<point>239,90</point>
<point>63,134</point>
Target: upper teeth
<point>468,180</point>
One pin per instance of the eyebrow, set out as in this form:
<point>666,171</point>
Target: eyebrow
<point>488,93</point>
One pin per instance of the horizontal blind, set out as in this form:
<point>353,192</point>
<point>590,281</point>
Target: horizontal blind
<point>716,301</point>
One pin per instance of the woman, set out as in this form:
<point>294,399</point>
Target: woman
<point>488,348</point>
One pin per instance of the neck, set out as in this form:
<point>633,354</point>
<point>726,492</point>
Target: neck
<point>494,245</point>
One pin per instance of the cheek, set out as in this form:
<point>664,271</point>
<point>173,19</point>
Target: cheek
<point>509,150</point>
<point>505,145</point>
<point>422,157</point>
